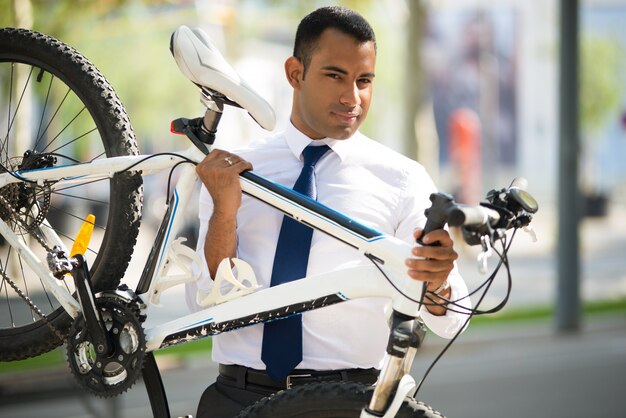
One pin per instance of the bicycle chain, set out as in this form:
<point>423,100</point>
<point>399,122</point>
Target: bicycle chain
<point>32,305</point>
<point>16,288</point>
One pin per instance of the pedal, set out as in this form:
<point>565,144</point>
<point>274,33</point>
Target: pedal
<point>59,263</point>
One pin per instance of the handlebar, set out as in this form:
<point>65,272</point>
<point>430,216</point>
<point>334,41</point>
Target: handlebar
<point>507,208</point>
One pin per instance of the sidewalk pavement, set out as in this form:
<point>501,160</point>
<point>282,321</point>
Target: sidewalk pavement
<point>500,370</point>
<point>513,370</point>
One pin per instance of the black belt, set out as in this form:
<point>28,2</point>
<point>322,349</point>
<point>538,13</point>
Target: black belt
<point>247,376</point>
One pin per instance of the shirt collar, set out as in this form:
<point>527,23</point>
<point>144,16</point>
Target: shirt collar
<point>297,142</point>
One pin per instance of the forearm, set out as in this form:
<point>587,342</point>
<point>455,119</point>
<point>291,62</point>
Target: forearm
<point>221,240</point>
<point>437,304</point>
<point>456,314</point>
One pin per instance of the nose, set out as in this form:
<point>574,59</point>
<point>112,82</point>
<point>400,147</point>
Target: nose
<point>350,96</point>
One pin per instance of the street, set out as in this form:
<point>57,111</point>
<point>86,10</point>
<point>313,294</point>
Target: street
<point>498,370</point>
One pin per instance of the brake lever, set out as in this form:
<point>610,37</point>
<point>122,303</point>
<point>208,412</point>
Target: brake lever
<point>530,231</point>
<point>484,255</point>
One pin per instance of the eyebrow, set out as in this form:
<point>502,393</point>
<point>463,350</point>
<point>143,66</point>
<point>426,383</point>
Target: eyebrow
<point>344,72</point>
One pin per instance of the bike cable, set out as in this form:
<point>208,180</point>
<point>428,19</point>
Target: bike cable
<point>470,312</point>
<point>467,320</point>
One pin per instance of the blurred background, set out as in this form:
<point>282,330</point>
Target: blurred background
<point>477,91</point>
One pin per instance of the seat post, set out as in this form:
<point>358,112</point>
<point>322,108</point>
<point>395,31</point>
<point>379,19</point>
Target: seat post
<point>212,116</point>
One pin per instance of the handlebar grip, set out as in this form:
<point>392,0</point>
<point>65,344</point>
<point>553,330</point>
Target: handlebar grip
<point>436,215</point>
<point>462,215</point>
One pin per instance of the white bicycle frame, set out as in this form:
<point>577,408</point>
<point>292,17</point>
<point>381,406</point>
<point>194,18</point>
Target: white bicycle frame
<point>248,307</point>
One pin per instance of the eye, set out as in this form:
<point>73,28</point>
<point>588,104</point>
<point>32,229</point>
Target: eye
<point>334,76</point>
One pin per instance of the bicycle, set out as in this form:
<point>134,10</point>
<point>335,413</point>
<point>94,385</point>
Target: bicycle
<point>85,151</point>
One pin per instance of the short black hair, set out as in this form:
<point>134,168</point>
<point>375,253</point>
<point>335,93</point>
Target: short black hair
<point>315,23</point>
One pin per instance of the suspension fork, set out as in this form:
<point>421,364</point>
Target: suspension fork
<point>407,335</point>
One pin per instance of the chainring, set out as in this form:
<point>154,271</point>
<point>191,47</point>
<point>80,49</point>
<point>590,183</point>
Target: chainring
<point>110,374</point>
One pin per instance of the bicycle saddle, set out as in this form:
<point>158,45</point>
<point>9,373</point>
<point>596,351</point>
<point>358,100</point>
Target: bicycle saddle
<point>202,63</point>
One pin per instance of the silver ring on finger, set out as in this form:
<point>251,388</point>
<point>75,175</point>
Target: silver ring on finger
<point>228,160</point>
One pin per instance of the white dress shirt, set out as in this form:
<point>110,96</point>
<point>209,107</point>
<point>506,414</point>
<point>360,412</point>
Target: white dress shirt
<point>361,179</point>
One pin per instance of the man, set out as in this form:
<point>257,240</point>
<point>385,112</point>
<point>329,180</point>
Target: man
<point>331,72</point>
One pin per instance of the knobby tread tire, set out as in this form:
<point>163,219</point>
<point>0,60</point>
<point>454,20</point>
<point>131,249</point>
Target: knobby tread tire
<point>326,400</point>
<point>126,189</point>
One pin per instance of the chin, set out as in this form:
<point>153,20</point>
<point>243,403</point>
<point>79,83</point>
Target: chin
<point>344,133</point>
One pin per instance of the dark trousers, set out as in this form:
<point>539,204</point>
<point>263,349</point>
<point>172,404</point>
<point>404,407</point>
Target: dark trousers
<point>224,399</point>
<point>237,387</point>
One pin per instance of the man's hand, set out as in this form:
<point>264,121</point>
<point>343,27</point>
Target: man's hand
<point>433,264</point>
<point>219,171</point>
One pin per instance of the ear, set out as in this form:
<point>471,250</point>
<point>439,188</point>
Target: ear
<point>294,71</point>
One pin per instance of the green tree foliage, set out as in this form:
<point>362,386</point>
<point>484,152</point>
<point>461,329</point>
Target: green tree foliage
<point>601,67</point>
<point>128,41</point>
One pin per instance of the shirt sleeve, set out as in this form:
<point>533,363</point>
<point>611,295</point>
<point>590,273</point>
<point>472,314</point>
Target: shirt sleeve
<point>419,188</point>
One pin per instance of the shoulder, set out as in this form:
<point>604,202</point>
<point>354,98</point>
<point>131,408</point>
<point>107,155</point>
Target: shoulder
<point>268,154</point>
<point>269,147</point>
<point>376,156</point>
<point>274,141</point>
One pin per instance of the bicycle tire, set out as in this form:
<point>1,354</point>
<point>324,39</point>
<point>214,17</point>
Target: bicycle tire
<point>77,117</point>
<point>328,400</point>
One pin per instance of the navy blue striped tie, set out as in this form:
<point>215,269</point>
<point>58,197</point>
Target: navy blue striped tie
<point>282,340</point>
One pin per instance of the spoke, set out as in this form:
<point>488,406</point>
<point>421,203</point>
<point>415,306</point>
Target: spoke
<point>13,226</point>
<point>70,238</point>
<point>58,192</point>
<point>80,185</point>
<point>10,121</point>
<point>43,287</point>
<point>6,296</point>
<point>6,293</point>
<point>80,197</point>
<point>4,146</point>
<point>45,105</point>
<point>64,128</point>
<point>27,292</point>
<point>52,119</point>
<point>75,217</point>
<point>32,306</point>
<point>72,141</point>
<point>98,156</point>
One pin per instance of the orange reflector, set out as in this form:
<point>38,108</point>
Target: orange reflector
<point>84,236</point>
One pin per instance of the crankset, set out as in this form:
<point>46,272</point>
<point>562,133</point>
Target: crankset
<point>115,370</point>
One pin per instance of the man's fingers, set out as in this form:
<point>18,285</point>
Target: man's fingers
<point>430,265</point>
<point>241,166</point>
<point>439,235</point>
<point>435,253</point>
<point>218,161</point>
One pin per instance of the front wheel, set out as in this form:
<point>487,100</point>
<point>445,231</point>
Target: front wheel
<point>328,400</point>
